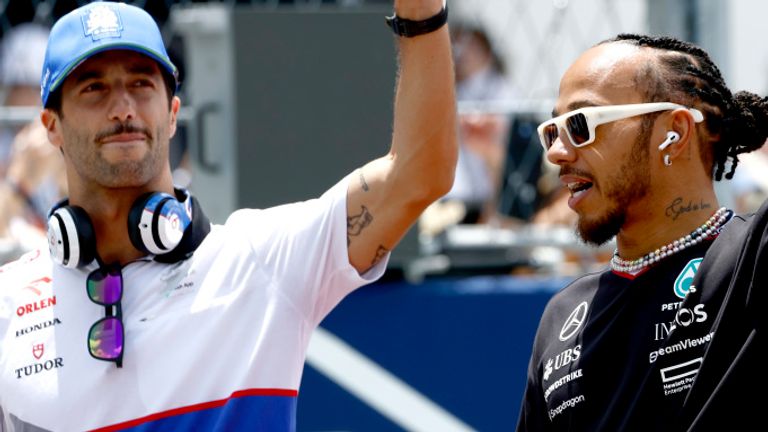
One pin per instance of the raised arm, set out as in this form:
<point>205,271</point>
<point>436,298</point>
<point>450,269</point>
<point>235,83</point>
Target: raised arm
<point>389,193</point>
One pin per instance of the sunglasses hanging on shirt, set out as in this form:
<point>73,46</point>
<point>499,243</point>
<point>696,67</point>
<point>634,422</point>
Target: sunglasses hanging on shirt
<point>107,335</point>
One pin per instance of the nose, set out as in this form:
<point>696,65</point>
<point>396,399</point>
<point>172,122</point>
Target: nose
<point>122,107</point>
<point>561,151</point>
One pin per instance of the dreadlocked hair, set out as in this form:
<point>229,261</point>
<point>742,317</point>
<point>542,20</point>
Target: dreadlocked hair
<point>735,124</point>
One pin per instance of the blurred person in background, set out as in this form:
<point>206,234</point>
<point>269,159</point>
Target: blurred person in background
<point>189,325</point>
<point>21,60</point>
<point>669,337</point>
<point>34,181</point>
<point>483,136</point>
<point>33,177</point>
<point>750,182</point>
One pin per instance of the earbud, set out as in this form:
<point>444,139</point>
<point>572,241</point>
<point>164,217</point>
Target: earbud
<point>672,137</point>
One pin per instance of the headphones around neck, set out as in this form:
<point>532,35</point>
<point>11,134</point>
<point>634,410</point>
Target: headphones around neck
<point>157,224</point>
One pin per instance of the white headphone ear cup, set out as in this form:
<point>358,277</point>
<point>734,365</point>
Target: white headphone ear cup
<point>156,223</point>
<point>71,238</point>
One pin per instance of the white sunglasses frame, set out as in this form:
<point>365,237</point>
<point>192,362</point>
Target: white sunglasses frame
<point>597,115</point>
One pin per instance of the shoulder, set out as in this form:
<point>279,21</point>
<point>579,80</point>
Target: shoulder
<point>27,273</point>
<point>30,263</point>
<point>298,212</point>
<point>579,290</point>
<point>734,236</point>
<point>573,301</point>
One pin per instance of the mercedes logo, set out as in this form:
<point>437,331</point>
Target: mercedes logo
<point>574,321</point>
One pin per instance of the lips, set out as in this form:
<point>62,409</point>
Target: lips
<point>578,188</point>
<point>578,185</point>
<point>124,137</point>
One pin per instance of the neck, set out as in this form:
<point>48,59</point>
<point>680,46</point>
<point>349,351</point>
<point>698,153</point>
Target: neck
<point>108,209</point>
<point>660,225</point>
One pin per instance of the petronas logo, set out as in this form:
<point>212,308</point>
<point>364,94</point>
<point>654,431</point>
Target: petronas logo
<point>685,279</point>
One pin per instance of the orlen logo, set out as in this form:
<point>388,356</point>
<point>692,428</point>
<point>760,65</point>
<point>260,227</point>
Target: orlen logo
<point>36,306</point>
<point>685,278</point>
<point>37,285</point>
<point>574,321</point>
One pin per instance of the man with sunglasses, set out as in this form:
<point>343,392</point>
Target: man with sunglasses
<point>668,337</point>
<point>142,315</point>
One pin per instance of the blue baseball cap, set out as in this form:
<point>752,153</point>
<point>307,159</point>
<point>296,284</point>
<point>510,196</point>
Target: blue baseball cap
<point>95,28</point>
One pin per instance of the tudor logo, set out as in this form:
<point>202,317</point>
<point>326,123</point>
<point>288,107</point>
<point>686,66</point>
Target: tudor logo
<point>574,322</point>
<point>37,350</point>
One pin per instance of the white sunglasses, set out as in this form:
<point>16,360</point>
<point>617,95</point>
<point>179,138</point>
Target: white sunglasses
<point>580,124</point>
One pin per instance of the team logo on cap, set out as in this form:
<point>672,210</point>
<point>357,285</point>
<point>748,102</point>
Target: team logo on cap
<point>101,22</point>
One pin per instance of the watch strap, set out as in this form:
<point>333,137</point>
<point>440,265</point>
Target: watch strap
<point>410,28</point>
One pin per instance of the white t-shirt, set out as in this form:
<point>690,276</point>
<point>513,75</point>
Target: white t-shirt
<point>215,342</point>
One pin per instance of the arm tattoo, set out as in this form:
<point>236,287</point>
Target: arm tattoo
<point>677,207</point>
<point>380,252</point>
<point>357,222</point>
<point>363,182</point>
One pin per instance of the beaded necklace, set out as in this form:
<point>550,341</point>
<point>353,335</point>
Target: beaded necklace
<point>709,229</point>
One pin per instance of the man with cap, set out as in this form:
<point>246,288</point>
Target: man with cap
<point>143,315</point>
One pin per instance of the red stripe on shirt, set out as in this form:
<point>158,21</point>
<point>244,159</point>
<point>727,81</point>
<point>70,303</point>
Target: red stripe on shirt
<point>198,407</point>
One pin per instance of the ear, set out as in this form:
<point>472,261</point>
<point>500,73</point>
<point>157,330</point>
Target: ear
<point>175,105</point>
<point>682,122</point>
<point>52,123</point>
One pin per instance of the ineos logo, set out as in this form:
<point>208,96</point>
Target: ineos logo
<point>574,321</point>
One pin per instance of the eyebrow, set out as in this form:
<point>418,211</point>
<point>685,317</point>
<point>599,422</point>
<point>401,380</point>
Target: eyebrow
<point>574,106</point>
<point>140,69</point>
<point>87,75</point>
<point>143,69</point>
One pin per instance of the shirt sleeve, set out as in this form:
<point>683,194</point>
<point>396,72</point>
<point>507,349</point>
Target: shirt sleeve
<point>303,248</point>
<point>532,410</point>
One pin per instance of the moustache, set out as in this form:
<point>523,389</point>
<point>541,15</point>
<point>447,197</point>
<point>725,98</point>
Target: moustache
<point>569,170</point>
<point>122,128</point>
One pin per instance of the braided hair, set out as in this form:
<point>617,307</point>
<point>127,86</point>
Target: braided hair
<point>735,123</point>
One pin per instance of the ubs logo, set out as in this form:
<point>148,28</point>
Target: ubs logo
<point>561,360</point>
<point>574,321</point>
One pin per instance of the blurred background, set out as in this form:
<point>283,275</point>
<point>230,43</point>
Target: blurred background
<point>282,98</point>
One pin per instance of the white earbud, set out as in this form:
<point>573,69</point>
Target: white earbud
<point>672,137</point>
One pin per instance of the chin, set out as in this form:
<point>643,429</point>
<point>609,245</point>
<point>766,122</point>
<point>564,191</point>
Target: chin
<point>599,230</point>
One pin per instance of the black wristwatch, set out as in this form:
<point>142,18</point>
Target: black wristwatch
<point>409,28</point>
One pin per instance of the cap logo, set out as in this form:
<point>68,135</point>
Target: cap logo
<point>101,22</point>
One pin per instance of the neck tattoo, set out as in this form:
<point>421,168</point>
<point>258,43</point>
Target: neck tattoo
<point>710,229</point>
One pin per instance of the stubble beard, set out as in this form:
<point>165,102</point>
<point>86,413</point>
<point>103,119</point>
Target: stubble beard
<point>631,184</point>
<point>92,166</point>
